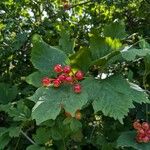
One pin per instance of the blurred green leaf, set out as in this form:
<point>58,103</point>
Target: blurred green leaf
<point>98,47</point>
<point>81,59</point>
<point>7,93</point>
<point>115,30</point>
<point>66,43</point>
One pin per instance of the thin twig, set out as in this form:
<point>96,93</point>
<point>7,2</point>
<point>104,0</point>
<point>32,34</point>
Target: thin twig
<point>17,142</point>
<point>27,137</point>
<point>92,132</point>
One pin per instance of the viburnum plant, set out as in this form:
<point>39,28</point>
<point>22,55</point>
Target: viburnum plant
<point>85,99</point>
<point>81,83</point>
<point>65,92</point>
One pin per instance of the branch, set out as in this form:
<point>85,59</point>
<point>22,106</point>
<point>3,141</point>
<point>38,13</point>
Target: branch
<point>29,139</point>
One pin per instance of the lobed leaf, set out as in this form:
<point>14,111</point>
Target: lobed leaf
<point>114,96</point>
<point>49,101</point>
<point>45,57</point>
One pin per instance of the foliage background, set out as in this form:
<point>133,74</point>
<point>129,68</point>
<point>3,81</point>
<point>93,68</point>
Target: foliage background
<point>86,24</point>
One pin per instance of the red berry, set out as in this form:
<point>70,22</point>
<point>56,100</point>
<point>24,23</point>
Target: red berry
<point>69,79</point>
<point>79,75</point>
<point>62,77</point>
<point>148,133</point>
<point>141,131</point>
<point>58,68</point>
<point>137,125</point>
<point>145,125</point>
<point>139,139</point>
<point>77,88</point>
<point>67,69</point>
<point>46,81</point>
<point>78,115</point>
<point>56,83</point>
<point>145,139</point>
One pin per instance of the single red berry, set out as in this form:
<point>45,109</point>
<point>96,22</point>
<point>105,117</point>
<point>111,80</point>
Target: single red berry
<point>79,75</point>
<point>62,77</point>
<point>46,81</point>
<point>141,131</point>
<point>145,139</point>
<point>58,68</point>
<point>139,139</point>
<point>145,125</point>
<point>67,69</point>
<point>137,125</point>
<point>56,83</point>
<point>148,133</point>
<point>77,88</point>
<point>78,115</point>
<point>69,79</point>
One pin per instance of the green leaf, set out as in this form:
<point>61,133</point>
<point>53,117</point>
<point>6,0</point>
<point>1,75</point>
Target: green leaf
<point>127,139</point>
<point>108,146</point>
<point>77,136</point>
<point>75,125</point>
<point>113,96</point>
<point>45,57</point>
<point>81,59</point>
<point>56,134</point>
<point>4,140</point>
<point>50,100</point>
<point>143,44</point>
<point>103,61</point>
<point>19,112</point>
<point>66,44</point>
<point>20,40</point>
<point>115,30</point>
<point>138,94</point>
<point>147,66</point>
<point>35,78</point>
<point>3,131</point>
<point>35,147</point>
<point>115,44</point>
<point>7,93</point>
<point>130,54</point>
<point>42,135</point>
<point>45,110</point>
<point>14,131</point>
<point>98,47</point>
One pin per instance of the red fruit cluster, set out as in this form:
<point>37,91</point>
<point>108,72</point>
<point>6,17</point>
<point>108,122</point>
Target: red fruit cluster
<point>143,131</point>
<point>65,75</point>
<point>78,115</point>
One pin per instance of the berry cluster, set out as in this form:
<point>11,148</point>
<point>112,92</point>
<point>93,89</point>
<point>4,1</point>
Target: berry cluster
<point>78,115</point>
<point>143,131</point>
<point>65,75</point>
